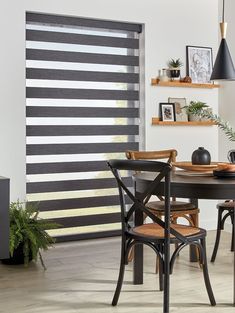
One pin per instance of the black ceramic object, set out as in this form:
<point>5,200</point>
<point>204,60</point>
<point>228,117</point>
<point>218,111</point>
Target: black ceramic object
<point>201,156</point>
<point>174,73</point>
<point>231,156</point>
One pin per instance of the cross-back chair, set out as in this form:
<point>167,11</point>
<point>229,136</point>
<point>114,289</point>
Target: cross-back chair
<point>225,210</point>
<point>159,234</point>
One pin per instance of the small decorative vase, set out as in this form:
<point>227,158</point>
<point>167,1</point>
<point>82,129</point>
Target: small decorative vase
<point>163,75</point>
<point>201,156</point>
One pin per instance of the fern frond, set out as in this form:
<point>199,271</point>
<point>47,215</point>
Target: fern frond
<point>223,125</point>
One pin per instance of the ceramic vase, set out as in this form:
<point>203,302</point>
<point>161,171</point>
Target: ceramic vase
<point>201,156</point>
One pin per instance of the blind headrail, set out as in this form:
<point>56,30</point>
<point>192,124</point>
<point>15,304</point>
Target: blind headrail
<point>61,20</point>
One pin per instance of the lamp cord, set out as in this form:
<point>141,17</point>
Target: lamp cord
<point>223,12</point>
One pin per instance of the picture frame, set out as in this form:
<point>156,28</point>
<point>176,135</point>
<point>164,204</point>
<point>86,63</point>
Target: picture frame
<point>167,112</point>
<point>180,112</point>
<point>199,64</point>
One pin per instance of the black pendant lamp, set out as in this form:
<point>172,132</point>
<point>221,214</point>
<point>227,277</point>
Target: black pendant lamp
<point>223,67</point>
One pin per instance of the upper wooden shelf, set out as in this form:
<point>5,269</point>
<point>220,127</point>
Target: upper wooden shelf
<point>156,82</point>
<point>156,121</point>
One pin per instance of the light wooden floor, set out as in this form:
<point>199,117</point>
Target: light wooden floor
<point>81,277</point>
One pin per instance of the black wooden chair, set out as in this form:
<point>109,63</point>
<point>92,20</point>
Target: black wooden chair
<point>159,234</point>
<point>225,210</point>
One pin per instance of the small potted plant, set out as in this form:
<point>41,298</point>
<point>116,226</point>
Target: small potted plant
<point>174,68</point>
<point>195,109</point>
<point>28,234</point>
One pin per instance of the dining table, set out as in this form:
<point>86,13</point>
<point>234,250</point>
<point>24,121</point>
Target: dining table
<point>192,187</point>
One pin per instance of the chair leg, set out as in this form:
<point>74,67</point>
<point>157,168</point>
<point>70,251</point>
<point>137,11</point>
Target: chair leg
<point>157,257</point>
<point>195,223</point>
<point>218,233</point>
<point>205,273</point>
<point>160,267</point>
<point>157,265</point>
<point>120,276</point>
<point>174,221</point>
<point>131,255</point>
<point>194,218</point>
<point>166,283</point>
<point>232,241</point>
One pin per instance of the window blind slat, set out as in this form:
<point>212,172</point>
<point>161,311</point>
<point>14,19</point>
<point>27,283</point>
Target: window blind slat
<point>52,149</point>
<point>38,111</point>
<point>93,235</point>
<point>76,221</point>
<point>89,202</point>
<point>80,57</point>
<point>78,130</point>
<point>66,167</point>
<point>80,39</point>
<point>51,74</point>
<point>98,183</point>
<point>69,93</point>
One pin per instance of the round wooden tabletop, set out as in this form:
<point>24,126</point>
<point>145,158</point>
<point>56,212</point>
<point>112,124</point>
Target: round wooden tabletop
<point>197,187</point>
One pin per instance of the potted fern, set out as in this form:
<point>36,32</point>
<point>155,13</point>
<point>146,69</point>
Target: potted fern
<point>174,68</point>
<point>28,234</point>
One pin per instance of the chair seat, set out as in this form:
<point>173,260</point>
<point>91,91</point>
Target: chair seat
<point>227,205</point>
<point>175,206</point>
<point>155,231</point>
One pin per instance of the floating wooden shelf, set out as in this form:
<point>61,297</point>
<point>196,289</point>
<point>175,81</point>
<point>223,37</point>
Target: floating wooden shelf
<point>156,121</point>
<point>156,82</point>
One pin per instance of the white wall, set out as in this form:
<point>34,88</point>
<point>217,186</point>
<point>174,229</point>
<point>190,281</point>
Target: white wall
<point>227,92</point>
<point>169,26</point>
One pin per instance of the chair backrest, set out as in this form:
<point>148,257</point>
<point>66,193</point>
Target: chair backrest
<point>170,155</point>
<point>138,201</point>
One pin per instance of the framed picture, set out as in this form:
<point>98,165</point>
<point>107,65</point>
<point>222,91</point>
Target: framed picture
<point>199,64</point>
<point>167,112</point>
<point>180,111</point>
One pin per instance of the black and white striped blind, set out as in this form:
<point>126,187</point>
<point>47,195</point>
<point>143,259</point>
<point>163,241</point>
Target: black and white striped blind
<point>82,108</point>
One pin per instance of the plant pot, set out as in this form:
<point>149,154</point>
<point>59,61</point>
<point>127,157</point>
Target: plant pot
<point>17,258</point>
<point>194,118</point>
<point>174,73</point>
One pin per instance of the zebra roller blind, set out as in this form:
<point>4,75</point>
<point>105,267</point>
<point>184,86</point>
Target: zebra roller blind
<point>82,108</point>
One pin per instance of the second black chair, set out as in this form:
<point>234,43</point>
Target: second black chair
<point>159,234</point>
<point>225,210</point>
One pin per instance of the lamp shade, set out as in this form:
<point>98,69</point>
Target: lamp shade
<point>223,67</point>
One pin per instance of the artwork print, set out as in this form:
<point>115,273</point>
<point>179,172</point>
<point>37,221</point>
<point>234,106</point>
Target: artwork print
<point>199,64</point>
<point>180,111</point>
